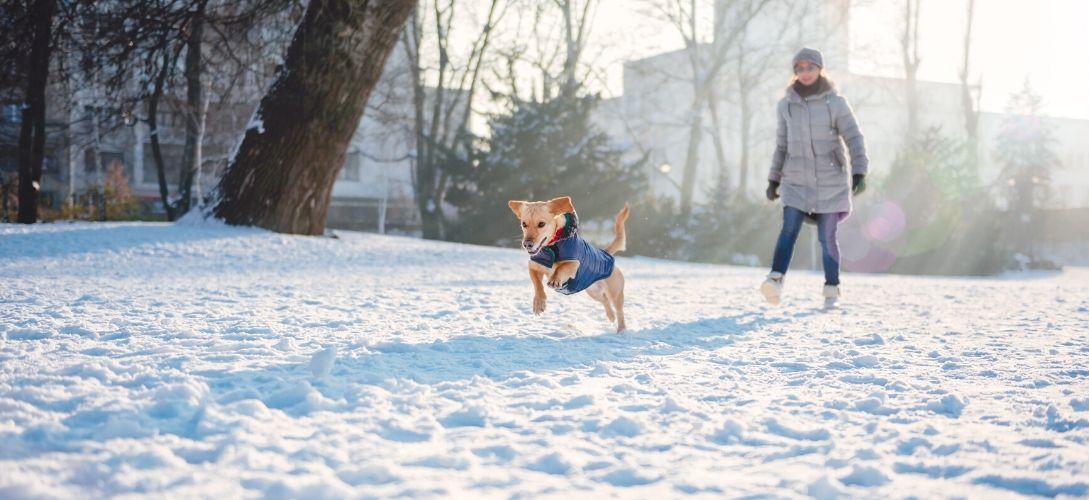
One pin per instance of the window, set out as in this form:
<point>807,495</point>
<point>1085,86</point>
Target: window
<point>350,170</point>
<point>107,159</point>
<point>12,113</point>
<point>9,159</point>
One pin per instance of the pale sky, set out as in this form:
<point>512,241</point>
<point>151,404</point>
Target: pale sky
<point>1046,41</point>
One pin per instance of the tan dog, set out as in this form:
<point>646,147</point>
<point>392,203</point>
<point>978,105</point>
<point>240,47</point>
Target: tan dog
<point>558,254</point>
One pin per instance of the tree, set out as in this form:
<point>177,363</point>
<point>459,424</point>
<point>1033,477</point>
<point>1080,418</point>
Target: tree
<point>113,41</point>
<point>196,105</point>
<point>1024,146</point>
<point>441,114</point>
<point>909,53</point>
<point>35,63</point>
<point>969,103</point>
<point>129,53</point>
<point>705,65</point>
<point>931,213</point>
<point>730,229</point>
<point>282,176</point>
<point>161,74</point>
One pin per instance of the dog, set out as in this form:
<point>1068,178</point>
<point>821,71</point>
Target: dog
<point>565,261</point>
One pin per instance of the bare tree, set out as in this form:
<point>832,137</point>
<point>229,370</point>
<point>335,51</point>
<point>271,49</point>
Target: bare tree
<point>550,54</point>
<point>969,104</point>
<point>195,104</point>
<point>40,37</point>
<point>282,175</point>
<point>441,114</point>
<point>575,28</point>
<point>166,59</point>
<point>706,62</point>
<point>909,51</point>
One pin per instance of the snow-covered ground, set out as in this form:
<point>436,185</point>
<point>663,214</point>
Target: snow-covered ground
<point>210,361</point>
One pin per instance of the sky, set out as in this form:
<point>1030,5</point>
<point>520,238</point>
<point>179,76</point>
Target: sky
<point>1013,40</point>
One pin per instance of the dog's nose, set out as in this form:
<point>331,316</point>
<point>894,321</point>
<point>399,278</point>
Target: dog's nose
<point>527,244</point>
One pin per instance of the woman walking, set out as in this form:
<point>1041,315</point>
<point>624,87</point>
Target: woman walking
<point>809,169</point>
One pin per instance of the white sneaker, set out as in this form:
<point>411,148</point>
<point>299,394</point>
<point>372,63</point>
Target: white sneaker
<point>831,295</point>
<point>772,287</point>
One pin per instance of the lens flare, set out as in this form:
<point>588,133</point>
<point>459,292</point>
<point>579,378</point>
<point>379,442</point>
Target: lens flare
<point>887,223</point>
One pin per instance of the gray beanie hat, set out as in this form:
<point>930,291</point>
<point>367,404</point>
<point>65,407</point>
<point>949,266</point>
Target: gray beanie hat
<point>808,54</point>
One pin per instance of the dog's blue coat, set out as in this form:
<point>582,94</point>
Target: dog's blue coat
<point>594,264</point>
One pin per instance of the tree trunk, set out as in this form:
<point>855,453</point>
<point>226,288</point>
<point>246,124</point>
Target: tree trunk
<point>746,138</point>
<point>424,175</point>
<point>969,105</point>
<point>716,139</point>
<point>32,131</point>
<point>691,158</point>
<point>191,156</point>
<point>153,132</point>
<point>909,44</point>
<point>282,176</point>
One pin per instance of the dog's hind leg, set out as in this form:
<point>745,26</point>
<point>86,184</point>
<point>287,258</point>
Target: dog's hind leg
<point>597,292</point>
<point>614,292</point>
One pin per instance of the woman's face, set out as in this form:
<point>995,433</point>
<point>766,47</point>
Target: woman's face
<point>807,72</point>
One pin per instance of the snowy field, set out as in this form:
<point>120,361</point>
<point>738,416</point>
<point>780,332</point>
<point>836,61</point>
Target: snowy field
<point>198,361</point>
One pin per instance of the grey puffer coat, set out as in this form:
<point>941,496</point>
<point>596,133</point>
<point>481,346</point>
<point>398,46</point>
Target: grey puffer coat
<point>809,161</point>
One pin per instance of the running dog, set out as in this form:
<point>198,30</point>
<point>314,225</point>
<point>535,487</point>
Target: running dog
<point>565,261</point>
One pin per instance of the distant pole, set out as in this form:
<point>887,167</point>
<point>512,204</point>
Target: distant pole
<point>382,205</point>
<point>100,201</point>
<point>73,155</point>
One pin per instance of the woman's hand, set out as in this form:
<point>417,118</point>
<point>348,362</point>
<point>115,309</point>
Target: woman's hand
<point>773,190</point>
<point>858,184</point>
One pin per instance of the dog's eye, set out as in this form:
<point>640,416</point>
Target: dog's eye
<point>524,224</point>
<point>540,224</point>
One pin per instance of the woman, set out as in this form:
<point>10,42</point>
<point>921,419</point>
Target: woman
<point>809,169</point>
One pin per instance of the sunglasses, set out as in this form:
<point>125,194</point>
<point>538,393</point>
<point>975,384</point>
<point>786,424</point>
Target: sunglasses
<point>806,69</point>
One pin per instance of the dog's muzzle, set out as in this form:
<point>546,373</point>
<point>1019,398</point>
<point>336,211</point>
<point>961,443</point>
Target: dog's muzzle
<point>529,246</point>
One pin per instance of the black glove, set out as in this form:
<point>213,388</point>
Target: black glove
<point>773,190</point>
<point>858,184</point>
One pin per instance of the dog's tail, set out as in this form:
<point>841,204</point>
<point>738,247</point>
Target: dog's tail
<point>620,243</point>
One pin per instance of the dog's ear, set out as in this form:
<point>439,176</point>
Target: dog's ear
<point>561,205</point>
<point>516,207</point>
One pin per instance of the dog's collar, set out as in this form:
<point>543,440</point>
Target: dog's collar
<point>570,227</point>
<point>555,237</point>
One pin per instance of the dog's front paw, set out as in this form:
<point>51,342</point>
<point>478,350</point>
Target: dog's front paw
<point>538,304</point>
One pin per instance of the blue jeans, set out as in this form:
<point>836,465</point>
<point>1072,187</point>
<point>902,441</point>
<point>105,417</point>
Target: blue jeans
<point>826,233</point>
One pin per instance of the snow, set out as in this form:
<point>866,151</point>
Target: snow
<point>321,363</point>
<point>199,360</point>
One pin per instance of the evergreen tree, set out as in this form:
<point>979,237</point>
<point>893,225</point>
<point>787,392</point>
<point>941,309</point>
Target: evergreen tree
<point>732,229</point>
<point>1024,148</point>
<point>537,151</point>
<point>949,222</point>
